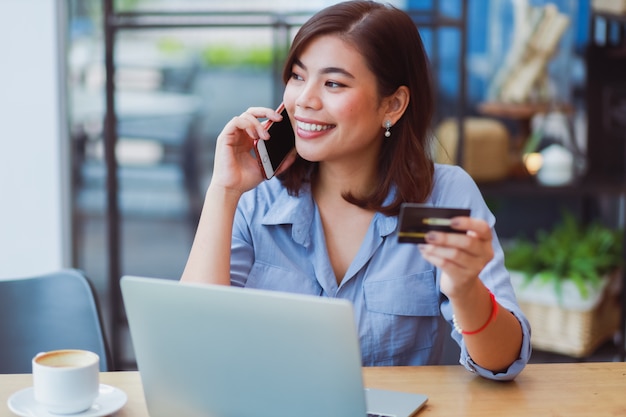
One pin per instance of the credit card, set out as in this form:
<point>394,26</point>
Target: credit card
<point>416,220</point>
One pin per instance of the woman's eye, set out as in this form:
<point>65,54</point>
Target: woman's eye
<point>333,84</point>
<point>296,77</point>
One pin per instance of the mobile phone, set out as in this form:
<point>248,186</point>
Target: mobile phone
<point>272,152</point>
<point>416,220</point>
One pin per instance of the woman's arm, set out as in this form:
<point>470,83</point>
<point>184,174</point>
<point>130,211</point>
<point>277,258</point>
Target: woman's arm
<point>209,258</point>
<point>235,171</point>
<point>493,341</point>
<point>492,334</point>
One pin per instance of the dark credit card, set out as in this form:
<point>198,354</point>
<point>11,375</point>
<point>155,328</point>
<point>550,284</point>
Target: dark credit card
<point>418,219</point>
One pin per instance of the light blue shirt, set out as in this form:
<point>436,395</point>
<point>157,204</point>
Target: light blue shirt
<point>278,244</point>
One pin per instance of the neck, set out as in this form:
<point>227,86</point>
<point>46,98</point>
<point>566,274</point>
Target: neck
<point>334,180</point>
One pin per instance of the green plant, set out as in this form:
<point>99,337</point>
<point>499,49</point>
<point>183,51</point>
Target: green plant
<point>583,254</point>
<point>227,56</point>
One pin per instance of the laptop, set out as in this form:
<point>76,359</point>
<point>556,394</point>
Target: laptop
<point>216,351</point>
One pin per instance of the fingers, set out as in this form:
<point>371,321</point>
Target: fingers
<point>477,227</point>
<point>460,253</point>
<point>235,167</point>
<point>249,121</point>
<point>448,257</point>
<point>476,231</point>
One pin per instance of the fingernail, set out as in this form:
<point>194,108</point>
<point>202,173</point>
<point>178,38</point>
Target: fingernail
<point>431,237</point>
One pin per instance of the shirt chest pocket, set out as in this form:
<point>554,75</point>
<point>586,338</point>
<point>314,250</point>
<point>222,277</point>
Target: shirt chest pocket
<point>401,315</point>
<point>412,295</point>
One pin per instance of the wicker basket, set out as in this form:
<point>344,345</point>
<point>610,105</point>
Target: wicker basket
<point>570,332</point>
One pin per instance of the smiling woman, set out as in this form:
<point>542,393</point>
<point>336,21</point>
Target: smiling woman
<point>341,103</point>
<point>375,47</point>
<point>360,101</point>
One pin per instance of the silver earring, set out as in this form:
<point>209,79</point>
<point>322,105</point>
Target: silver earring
<point>387,127</point>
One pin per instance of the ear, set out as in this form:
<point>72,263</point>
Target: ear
<point>396,104</point>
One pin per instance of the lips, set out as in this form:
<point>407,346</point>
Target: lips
<point>313,127</point>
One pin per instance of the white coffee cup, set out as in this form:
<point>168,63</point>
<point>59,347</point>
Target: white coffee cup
<point>66,381</point>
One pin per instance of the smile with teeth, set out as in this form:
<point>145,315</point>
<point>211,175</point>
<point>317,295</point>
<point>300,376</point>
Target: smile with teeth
<point>311,127</point>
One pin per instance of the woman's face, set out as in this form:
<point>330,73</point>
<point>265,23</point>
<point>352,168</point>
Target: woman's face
<point>333,102</point>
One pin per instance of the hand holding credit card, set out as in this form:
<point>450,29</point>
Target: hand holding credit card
<point>416,220</point>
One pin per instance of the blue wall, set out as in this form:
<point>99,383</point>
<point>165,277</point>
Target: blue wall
<point>477,41</point>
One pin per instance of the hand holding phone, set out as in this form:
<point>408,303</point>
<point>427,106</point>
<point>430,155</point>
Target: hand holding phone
<point>271,153</point>
<point>416,220</point>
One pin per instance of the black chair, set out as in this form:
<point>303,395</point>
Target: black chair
<point>53,311</point>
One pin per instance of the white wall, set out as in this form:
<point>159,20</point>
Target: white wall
<point>34,162</point>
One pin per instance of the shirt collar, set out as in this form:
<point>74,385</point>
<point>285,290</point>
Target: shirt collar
<point>296,211</point>
<point>299,211</point>
<point>386,225</point>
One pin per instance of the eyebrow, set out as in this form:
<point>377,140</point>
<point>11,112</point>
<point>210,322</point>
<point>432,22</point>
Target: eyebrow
<point>327,70</point>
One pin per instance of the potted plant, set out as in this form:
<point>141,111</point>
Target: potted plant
<point>565,280</point>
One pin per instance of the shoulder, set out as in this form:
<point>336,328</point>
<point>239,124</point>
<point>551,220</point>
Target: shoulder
<point>454,187</point>
<point>270,203</point>
<point>452,178</point>
<point>261,198</point>
<point>451,173</point>
<point>267,191</point>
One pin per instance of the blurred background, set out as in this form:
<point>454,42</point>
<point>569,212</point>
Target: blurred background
<point>181,69</point>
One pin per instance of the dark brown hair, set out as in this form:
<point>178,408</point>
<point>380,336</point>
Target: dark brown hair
<point>392,47</point>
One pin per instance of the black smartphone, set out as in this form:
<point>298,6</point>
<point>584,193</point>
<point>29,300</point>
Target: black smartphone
<point>272,152</point>
<point>416,220</point>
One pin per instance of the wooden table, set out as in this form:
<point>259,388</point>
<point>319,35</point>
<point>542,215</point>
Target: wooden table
<point>568,389</point>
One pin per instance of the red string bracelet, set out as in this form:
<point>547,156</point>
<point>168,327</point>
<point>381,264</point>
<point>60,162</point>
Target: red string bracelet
<point>492,317</point>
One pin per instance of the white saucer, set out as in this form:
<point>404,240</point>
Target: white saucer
<point>108,402</point>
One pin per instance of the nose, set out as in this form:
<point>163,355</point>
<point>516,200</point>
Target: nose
<point>308,97</point>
